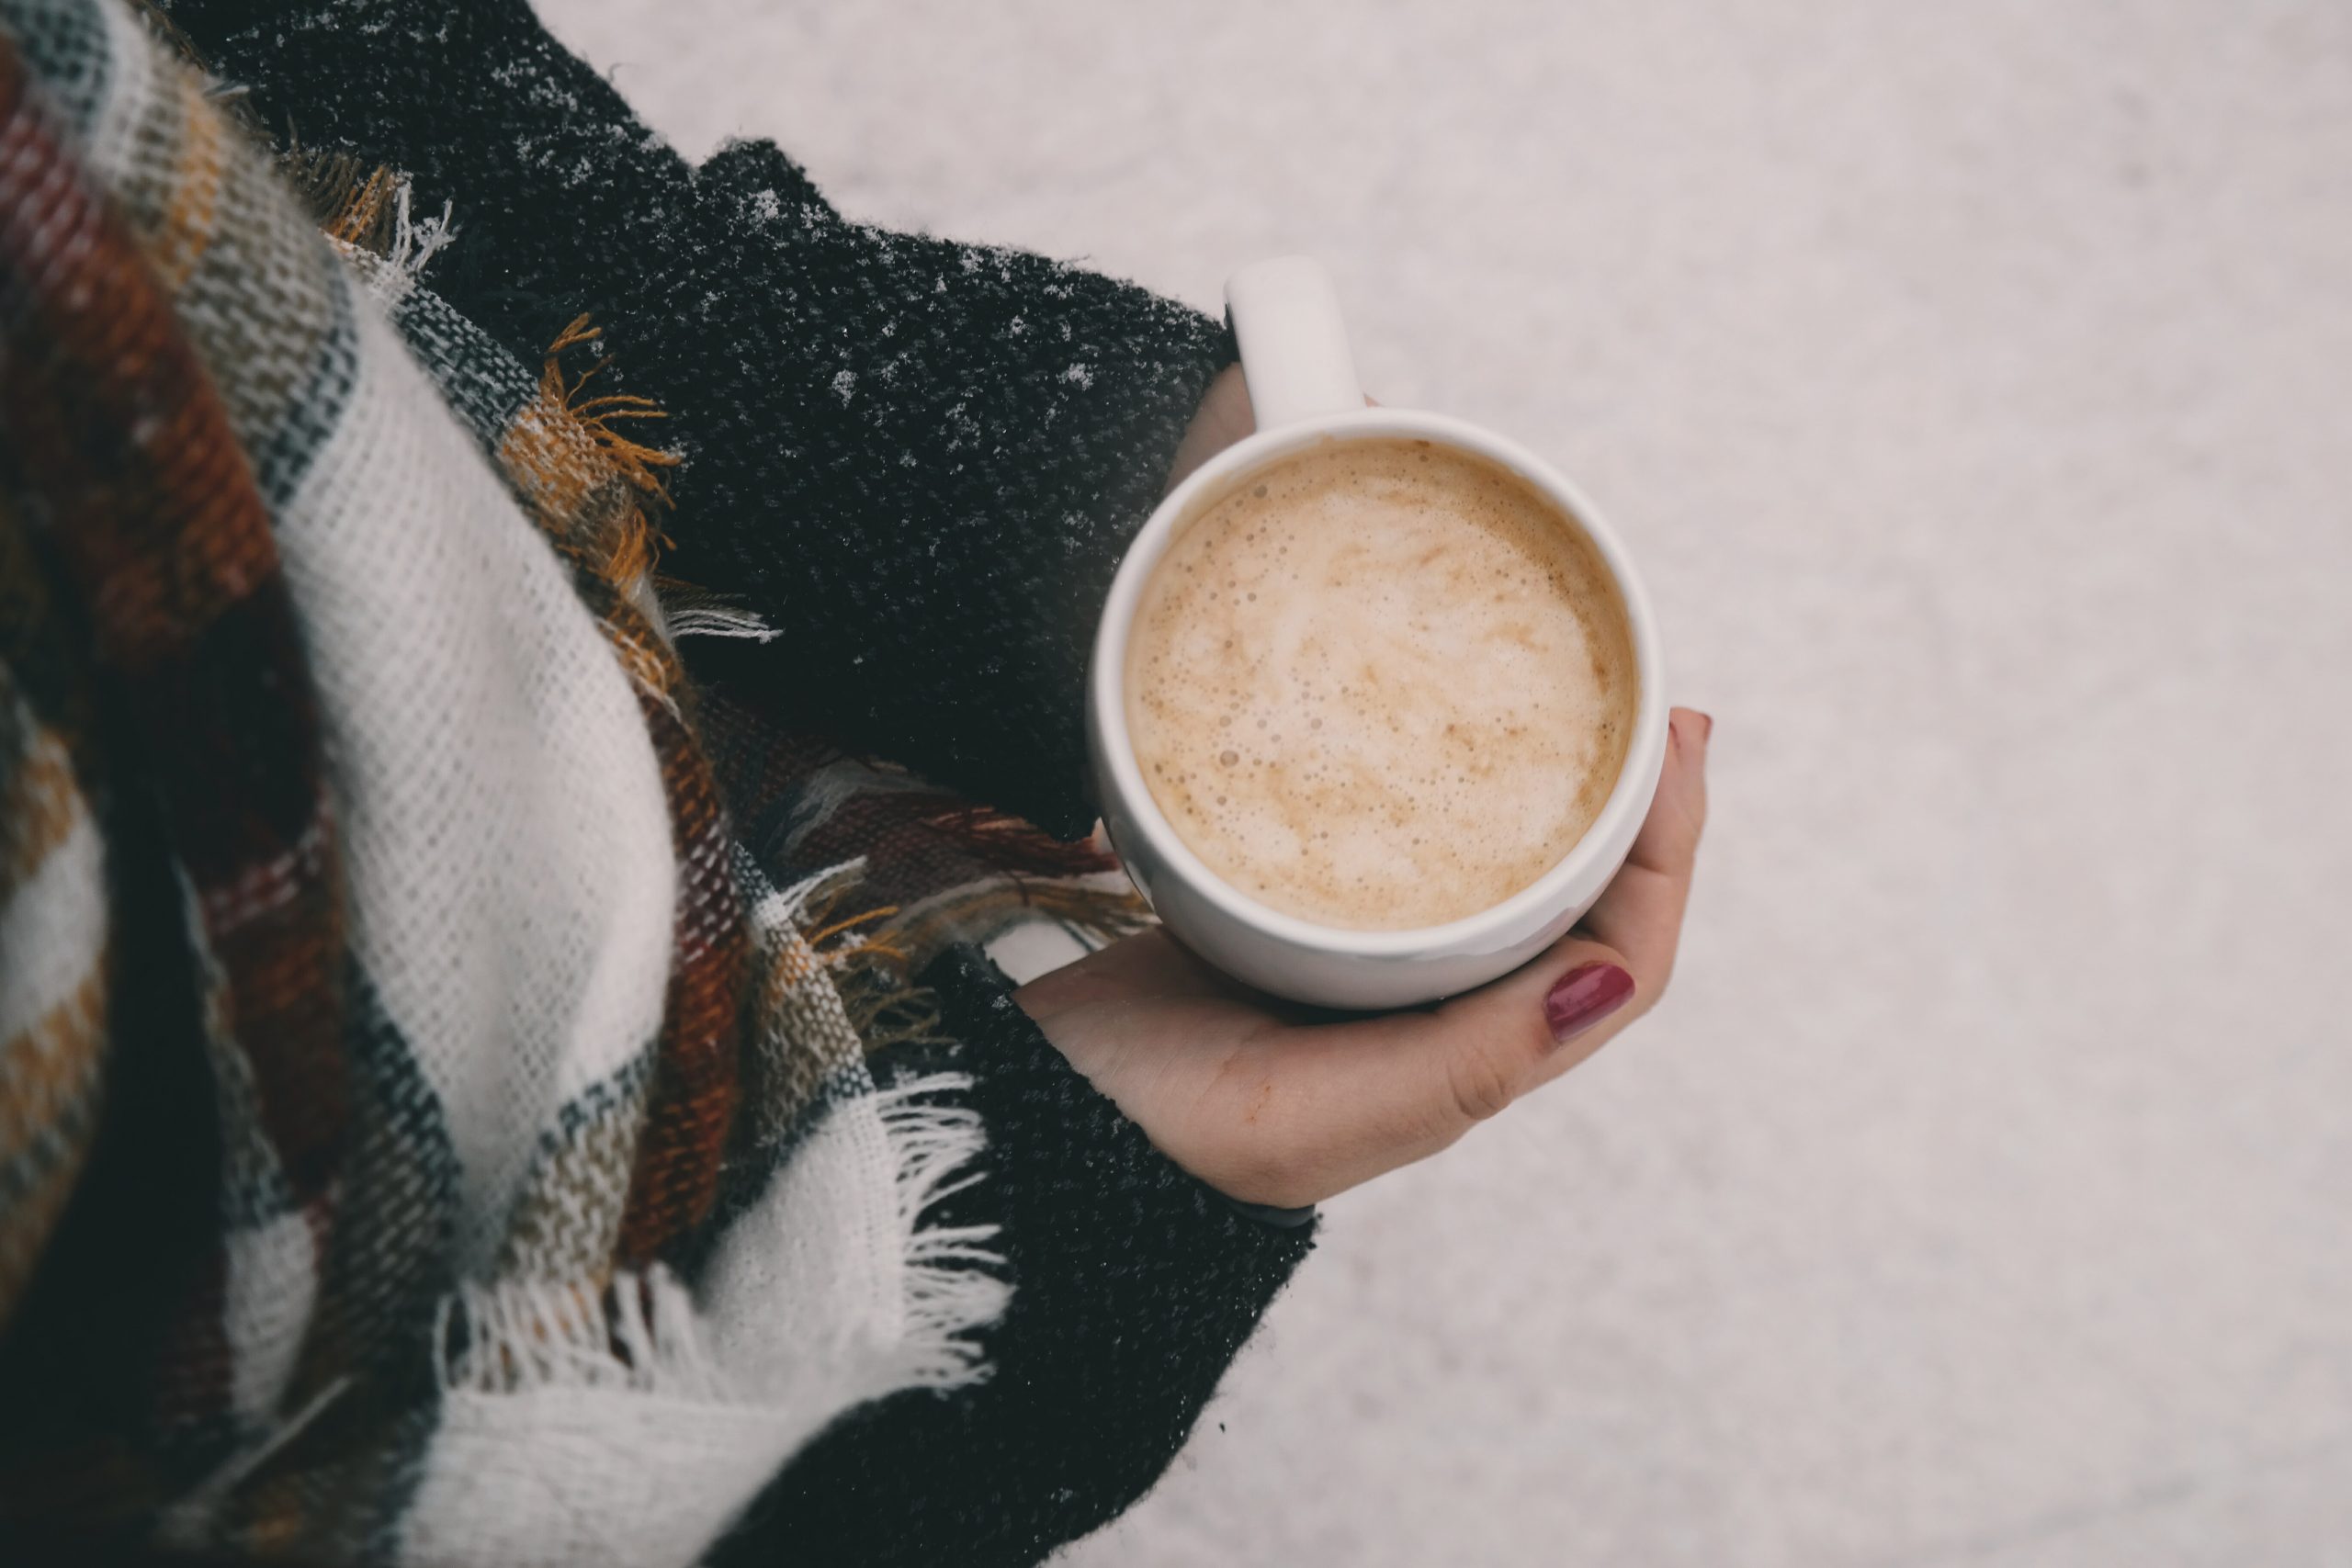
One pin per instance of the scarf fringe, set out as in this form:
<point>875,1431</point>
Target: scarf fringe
<point>949,1287</point>
<point>871,976</point>
<point>637,1335</point>
<point>370,211</point>
<point>717,620</point>
<point>641,1333</point>
<point>415,240</point>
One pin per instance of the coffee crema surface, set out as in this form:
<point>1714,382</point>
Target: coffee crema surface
<point>1382,684</point>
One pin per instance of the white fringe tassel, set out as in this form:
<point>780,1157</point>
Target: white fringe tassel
<point>524,1336</point>
<point>779,909</point>
<point>720,620</point>
<point>415,240</point>
<point>949,1289</point>
<point>642,1334</point>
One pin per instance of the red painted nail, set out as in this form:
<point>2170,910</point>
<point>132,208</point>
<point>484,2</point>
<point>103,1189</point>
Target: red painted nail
<point>1583,997</point>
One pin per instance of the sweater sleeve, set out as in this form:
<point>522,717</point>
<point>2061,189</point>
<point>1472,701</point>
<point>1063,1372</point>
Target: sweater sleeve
<point>1133,1286</point>
<point>917,460</point>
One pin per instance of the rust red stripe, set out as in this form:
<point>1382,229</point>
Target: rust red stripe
<point>134,473</point>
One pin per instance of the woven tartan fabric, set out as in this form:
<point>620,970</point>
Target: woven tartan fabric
<point>350,785</point>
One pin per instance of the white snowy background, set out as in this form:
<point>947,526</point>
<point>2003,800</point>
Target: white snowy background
<point>1973,381</point>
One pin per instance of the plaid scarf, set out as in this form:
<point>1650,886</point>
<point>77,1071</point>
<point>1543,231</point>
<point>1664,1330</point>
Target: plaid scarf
<point>547,1202</point>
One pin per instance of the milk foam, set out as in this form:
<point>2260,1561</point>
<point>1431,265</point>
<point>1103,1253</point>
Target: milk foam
<point>1381,685</point>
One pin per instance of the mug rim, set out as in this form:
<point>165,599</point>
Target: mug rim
<point>1106,682</point>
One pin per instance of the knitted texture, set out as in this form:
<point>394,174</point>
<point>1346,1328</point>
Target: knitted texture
<point>125,461</point>
<point>918,461</point>
<point>54,950</point>
<point>431,1130</point>
<point>468,954</point>
<point>1135,1285</point>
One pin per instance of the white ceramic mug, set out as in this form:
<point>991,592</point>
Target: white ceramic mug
<point>1304,391</point>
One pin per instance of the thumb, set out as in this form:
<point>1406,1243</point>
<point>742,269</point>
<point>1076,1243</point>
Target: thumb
<point>1444,1071</point>
<point>1497,1042</point>
<point>1530,1027</point>
<point>1380,1092</point>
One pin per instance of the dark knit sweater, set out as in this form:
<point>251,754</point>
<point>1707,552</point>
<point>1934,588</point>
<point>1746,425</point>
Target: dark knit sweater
<point>919,461</point>
<point>1136,1285</point>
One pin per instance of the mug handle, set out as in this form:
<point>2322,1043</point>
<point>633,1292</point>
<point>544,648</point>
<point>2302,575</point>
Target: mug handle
<point>1294,353</point>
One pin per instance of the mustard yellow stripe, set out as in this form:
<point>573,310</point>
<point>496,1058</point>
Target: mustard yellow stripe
<point>49,1092</point>
<point>50,1066</point>
<point>40,805</point>
<point>193,216</point>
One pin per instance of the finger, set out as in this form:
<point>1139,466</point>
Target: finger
<point>1355,1098</point>
<point>1419,1080</point>
<point>1472,1057</point>
<point>1223,418</point>
<point>1641,912</point>
<point>1668,841</point>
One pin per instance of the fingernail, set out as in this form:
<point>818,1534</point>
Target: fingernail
<point>1583,997</point>
<point>1707,726</point>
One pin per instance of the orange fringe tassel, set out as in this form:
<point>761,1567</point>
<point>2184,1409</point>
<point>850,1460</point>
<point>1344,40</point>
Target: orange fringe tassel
<point>640,540</point>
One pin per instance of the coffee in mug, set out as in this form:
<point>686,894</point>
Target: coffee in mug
<point>1456,666</point>
<point>1381,683</point>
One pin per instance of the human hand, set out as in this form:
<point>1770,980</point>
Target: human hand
<point>1223,418</point>
<point>1271,1102</point>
